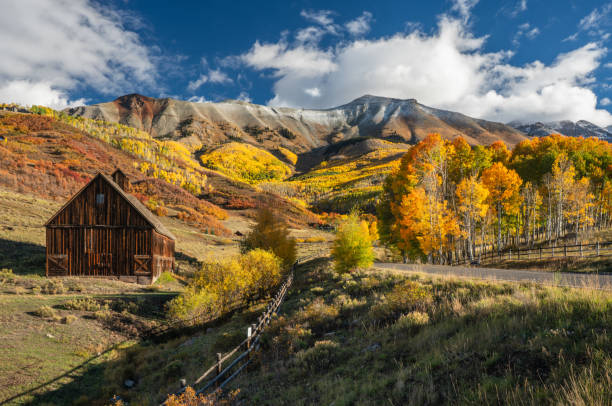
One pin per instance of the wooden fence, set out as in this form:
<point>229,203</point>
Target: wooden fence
<point>599,249</point>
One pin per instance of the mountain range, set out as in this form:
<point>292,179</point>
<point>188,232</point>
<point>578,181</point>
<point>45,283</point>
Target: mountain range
<point>301,130</point>
<point>581,128</point>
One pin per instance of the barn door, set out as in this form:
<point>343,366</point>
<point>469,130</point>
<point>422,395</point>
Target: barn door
<point>99,259</point>
<point>57,265</point>
<point>142,265</point>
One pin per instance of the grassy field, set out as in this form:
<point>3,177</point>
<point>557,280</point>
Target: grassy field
<point>376,338</point>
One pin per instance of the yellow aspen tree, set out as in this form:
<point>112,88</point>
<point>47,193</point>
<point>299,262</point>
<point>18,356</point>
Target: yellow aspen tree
<point>472,208</point>
<point>503,185</point>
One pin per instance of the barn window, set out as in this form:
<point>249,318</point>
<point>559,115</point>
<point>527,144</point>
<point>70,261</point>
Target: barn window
<point>100,199</point>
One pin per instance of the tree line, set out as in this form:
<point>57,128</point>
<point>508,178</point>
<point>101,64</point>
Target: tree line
<point>447,199</point>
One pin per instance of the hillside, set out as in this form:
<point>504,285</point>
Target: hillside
<point>299,130</point>
<point>53,155</point>
<point>409,339</point>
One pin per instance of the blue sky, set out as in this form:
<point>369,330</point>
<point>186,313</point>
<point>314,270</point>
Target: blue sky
<point>501,60</point>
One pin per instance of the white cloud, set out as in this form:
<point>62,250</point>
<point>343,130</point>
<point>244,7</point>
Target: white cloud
<point>322,17</point>
<point>360,25</point>
<point>595,23</point>
<point>300,61</point>
<point>195,84</point>
<point>197,99</point>
<point>464,8</point>
<point>596,18</point>
<point>50,48</point>
<point>447,69</point>
<point>216,76</point>
<point>525,30</point>
<point>244,96</point>
<point>213,76</point>
<point>520,7</point>
<point>27,93</point>
<point>605,101</point>
<point>313,91</point>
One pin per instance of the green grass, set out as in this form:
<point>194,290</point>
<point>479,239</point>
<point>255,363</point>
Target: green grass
<point>352,340</point>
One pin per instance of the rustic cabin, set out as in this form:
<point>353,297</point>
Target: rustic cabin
<point>106,232</point>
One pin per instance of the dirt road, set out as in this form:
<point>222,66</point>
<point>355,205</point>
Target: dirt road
<point>603,282</point>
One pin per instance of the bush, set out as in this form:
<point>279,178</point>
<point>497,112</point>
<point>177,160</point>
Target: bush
<point>165,277</point>
<point>53,288</point>
<point>222,286</point>
<point>411,320</point>
<point>69,319</point>
<point>45,312</point>
<point>85,304</point>
<point>321,317</point>
<point>318,358</point>
<point>272,234</point>
<point>353,247</point>
<point>6,275</point>
<point>263,269</point>
<point>405,297</point>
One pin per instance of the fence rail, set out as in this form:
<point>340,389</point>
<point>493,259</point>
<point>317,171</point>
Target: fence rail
<point>599,249</point>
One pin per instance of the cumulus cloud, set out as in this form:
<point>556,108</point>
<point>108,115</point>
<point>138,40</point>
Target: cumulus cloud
<point>447,69</point>
<point>360,25</point>
<point>605,101</point>
<point>57,46</point>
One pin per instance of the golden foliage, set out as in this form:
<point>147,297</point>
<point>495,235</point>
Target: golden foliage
<point>245,163</point>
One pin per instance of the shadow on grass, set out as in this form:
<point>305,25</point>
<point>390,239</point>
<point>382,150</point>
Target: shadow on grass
<point>22,257</point>
<point>87,385</point>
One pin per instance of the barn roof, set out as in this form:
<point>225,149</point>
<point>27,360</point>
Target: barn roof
<point>132,200</point>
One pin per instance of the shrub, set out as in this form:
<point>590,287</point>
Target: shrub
<point>190,398</point>
<point>6,275</point>
<point>222,286</point>
<point>407,296</point>
<point>85,304</point>
<point>270,233</point>
<point>69,319</point>
<point>321,317</point>
<point>263,269</point>
<point>45,312</point>
<point>165,277</point>
<point>318,358</point>
<point>353,247</point>
<point>53,287</point>
<point>411,320</point>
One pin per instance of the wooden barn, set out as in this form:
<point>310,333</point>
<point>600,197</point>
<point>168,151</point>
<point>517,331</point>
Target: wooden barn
<point>104,231</point>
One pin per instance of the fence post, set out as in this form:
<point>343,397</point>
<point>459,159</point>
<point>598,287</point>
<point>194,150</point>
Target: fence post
<point>540,252</point>
<point>597,247</point>
<point>218,367</point>
<point>580,249</point>
<point>518,253</point>
<point>565,250</point>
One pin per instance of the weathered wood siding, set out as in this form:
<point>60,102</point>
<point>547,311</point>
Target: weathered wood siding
<point>105,236</point>
<point>163,254</point>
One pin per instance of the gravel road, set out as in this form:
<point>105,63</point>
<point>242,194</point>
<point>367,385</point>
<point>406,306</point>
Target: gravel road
<point>603,282</point>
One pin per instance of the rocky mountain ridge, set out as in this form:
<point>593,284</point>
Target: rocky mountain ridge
<point>300,130</point>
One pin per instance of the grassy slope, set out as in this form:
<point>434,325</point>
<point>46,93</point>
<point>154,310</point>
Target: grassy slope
<point>340,342</point>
